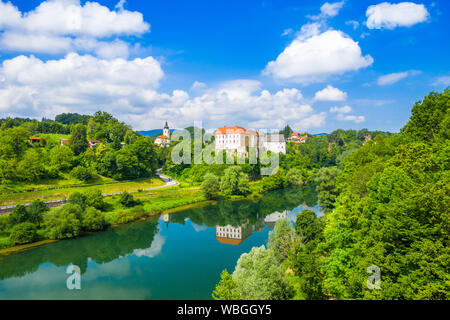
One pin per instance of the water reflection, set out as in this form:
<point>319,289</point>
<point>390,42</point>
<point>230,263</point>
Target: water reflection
<point>231,223</point>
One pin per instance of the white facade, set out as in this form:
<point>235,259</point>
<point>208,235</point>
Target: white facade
<point>236,140</point>
<point>273,142</point>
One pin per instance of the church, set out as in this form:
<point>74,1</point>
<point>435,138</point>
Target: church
<point>164,139</point>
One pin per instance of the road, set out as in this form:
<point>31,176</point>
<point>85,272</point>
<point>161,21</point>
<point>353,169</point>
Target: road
<point>56,203</point>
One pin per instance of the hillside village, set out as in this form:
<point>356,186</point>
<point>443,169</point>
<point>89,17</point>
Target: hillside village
<point>238,140</point>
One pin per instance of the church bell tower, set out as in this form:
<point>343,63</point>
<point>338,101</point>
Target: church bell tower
<point>166,131</point>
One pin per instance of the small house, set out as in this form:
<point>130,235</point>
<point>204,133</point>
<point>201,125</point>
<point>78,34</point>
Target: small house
<point>93,143</point>
<point>34,140</point>
<point>65,142</point>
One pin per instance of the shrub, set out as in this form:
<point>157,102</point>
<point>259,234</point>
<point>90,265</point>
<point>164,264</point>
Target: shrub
<point>81,173</point>
<point>93,220</point>
<point>127,200</point>
<point>23,233</point>
<point>95,199</point>
<point>19,215</point>
<point>210,186</point>
<point>36,211</point>
<point>63,222</point>
<point>79,199</point>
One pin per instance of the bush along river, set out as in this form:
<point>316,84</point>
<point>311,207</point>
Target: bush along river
<point>175,256</point>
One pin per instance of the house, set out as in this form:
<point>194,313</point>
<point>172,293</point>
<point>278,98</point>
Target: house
<point>93,143</point>
<point>273,142</point>
<point>65,142</point>
<point>122,145</point>
<point>164,139</point>
<point>34,140</point>
<point>235,140</point>
<point>367,138</point>
<point>298,138</point>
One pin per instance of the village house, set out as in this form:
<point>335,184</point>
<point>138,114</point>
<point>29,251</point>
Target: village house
<point>235,140</point>
<point>65,142</point>
<point>34,140</point>
<point>164,139</point>
<point>298,138</point>
<point>367,138</point>
<point>93,143</point>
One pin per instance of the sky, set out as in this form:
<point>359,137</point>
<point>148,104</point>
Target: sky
<point>314,65</point>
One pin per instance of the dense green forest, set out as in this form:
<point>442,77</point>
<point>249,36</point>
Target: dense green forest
<point>122,154</point>
<point>387,208</point>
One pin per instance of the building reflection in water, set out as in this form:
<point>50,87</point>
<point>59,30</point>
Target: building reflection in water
<point>236,235</point>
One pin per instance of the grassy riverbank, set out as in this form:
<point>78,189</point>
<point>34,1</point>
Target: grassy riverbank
<point>167,200</point>
<point>54,192</point>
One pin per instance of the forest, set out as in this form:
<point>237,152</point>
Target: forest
<point>387,211</point>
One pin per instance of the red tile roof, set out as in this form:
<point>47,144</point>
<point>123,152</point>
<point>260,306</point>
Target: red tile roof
<point>235,129</point>
<point>162,137</point>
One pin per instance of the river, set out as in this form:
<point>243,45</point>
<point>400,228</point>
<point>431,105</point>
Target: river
<point>176,256</point>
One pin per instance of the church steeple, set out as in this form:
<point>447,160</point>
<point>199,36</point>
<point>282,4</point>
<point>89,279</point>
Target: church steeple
<point>166,130</point>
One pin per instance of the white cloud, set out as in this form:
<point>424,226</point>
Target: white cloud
<point>287,32</point>
<point>343,114</point>
<point>329,10</point>
<point>330,94</point>
<point>314,56</point>
<point>345,109</point>
<point>444,80</point>
<point>69,17</point>
<point>388,16</point>
<point>392,78</point>
<point>356,119</point>
<point>59,26</point>
<point>129,90</point>
<point>353,23</point>
<point>154,250</point>
<point>198,85</point>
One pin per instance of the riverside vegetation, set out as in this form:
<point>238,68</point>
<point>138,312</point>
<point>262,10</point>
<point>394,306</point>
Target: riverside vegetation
<point>386,205</point>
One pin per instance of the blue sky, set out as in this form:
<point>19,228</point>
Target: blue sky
<point>314,65</point>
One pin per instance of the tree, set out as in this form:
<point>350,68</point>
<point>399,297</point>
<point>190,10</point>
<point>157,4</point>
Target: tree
<point>61,157</point>
<point>127,200</point>
<point>287,131</point>
<point>93,220</point>
<point>234,181</point>
<point>36,211</point>
<point>78,199</point>
<point>282,240</point>
<point>294,177</point>
<point>210,186</point>
<point>79,142</point>
<point>19,215</point>
<point>326,187</point>
<point>23,233</point>
<point>259,277</point>
<point>226,288</point>
<point>63,222</point>
<point>95,199</point>
<point>81,173</point>
<point>31,167</point>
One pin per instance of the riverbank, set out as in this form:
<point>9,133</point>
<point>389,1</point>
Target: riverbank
<point>164,201</point>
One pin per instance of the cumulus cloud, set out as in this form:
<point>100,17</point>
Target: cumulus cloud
<point>343,114</point>
<point>314,56</point>
<point>329,10</point>
<point>392,78</point>
<point>129,90</point>
<point>345,109</point>
<point>330,94</point>
<point>56,26</point>
<point>389,16</point>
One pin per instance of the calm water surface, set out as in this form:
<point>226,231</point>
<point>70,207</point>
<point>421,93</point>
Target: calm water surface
<point>176,256</point>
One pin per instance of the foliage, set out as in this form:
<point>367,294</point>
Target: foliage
<point>234,181</point>
<point>23,233</point>
<point>211,186</point>
<point>63,222</point>
<point>95,199</point>
<point>226,288</point>
<point>81,173</point>
<point>93,220</point>
<point>19,215</point>
<point>36,211</point>
<point>127,200</point>
<point>326,187</point>
<point>282,240</point>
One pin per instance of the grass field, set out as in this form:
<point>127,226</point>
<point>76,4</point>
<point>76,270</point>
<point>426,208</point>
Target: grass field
<point>61,192</point>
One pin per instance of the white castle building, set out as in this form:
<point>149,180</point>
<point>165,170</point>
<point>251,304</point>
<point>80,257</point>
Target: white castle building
<point>238,141</point>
